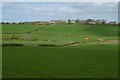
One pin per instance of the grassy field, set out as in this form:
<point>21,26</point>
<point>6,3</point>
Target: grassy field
<point>59,34</point>
<point>17,28</point>
<point>88,61</point>
<point>83,60</point>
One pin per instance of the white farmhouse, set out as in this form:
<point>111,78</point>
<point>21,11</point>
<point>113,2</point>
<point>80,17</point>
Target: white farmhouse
<point>72,21</point>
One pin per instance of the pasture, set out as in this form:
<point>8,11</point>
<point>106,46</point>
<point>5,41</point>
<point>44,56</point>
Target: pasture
<point>58,34</point>
<point>88,61</point>
<point>95,56</point>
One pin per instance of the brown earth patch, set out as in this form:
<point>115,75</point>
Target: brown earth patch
<point>106,42</point>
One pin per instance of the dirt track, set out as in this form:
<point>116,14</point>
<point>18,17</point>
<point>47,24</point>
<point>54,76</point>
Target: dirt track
<point>106,42</point>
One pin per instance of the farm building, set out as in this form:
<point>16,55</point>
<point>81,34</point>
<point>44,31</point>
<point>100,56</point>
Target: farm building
<point>52,22</point>
<point>72,21</point>
<point>92,22</point>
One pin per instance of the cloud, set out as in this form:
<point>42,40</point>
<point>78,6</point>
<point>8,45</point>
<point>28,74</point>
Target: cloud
<point>0,12</point>
<point>60,0</point>
<point>29,11</point>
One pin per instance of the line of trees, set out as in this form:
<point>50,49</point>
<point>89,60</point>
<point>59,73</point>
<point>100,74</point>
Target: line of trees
<point>14,22</point>
<point>88,21</point>
<point>69,21</point>
<point>92,21</point>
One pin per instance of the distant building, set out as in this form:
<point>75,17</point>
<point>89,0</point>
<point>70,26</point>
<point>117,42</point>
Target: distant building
<point>72,21</point>
<point>113,22</point>
<point>52,22</point>
<point>92,22</point>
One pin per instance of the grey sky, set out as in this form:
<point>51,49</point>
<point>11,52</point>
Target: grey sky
<point>34,11</point>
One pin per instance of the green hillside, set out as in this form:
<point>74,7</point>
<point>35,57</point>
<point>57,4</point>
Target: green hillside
<point>94,54</point>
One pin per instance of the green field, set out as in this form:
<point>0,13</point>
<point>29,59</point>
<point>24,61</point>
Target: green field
<point>92,61</point>
<point>14,28</point>
<point>89,59</point>
<point>58,34</point>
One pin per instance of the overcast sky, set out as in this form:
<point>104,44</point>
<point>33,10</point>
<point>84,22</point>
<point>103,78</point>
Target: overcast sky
<point>37,11</point>
<point>59,0</point>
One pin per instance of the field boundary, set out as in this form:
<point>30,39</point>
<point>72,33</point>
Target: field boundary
<point>27,31</point>
<point>60,45</point>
